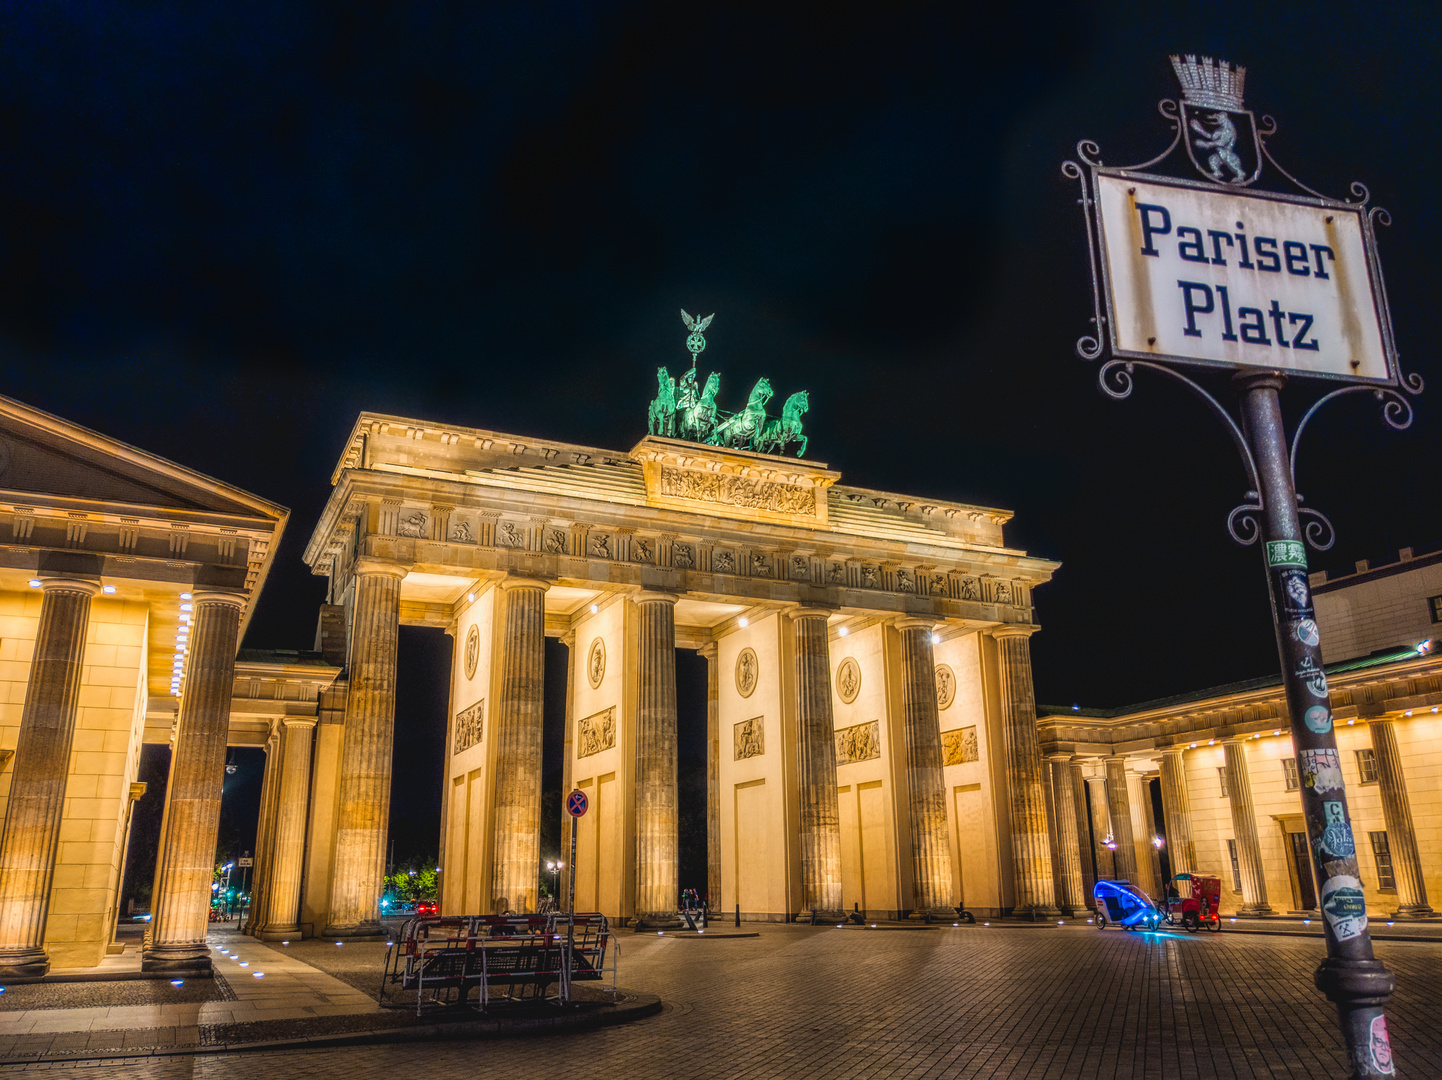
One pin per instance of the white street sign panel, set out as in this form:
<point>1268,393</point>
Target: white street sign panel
<point>1239,279</point>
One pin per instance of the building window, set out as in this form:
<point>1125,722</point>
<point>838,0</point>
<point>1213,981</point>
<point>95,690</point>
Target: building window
<point>1434,604</point>
<point>1367,765</point>
<point>1222,779</point>
<point>1383,854</point>
<point>1236,866</point>
<point>1289,771</point>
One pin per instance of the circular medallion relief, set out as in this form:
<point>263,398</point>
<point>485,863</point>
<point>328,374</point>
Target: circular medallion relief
<point>596,663</point>
<point>473,651</point>
<point>747,670</point>
<point>945,686</point>
<point>848,680</point>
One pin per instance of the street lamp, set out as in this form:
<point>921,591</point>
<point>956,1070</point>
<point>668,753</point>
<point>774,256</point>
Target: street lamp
<point>555,866</point>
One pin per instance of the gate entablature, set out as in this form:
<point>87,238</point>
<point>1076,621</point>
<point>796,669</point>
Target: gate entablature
<point>458,506</point>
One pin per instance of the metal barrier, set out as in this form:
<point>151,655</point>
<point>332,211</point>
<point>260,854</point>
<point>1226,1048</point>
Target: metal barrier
<point>535,958</point>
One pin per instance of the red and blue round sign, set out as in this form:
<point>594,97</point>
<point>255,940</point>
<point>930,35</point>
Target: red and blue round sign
<point>576,803</point>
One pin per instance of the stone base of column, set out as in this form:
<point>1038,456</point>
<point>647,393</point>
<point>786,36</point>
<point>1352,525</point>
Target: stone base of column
<point>177,959</point>
<point>1415,911</point>
<point>660,920</point>
<point>278,933</point>
<point>366,931</point>
<point>1036,912</point>
<point>823,918</point>
<point>1254,911</point>
<point>24,964</point>
<point>933,915</point>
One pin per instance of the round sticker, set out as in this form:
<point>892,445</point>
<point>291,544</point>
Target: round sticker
<point>1337,840</point>
<point>1319,719</point>
<point>1306,631</point>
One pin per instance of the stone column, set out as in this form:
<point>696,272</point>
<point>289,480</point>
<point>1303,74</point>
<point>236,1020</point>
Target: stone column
<point>713,777</point>
<point>816,765</point>
<point>137,789</point>
<point>1177,809</point>
<point>264,836</point>
<point>364,801</point>
<point>519,722</point>
<point>1085,848</point>
<point>1030,840</point>
<point>1101,827</point>
<point>656,812</point>
<point>1397,813</point>
<point>37,782</point>
<point>1069,896</point>
<point>1149,816</point>
<point>1119,807</point>
<point>186,864</point>
<point>925,780</point>
<point>1244,829</point>
<point>287,848</point>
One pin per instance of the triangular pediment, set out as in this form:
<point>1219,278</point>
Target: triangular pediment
<point>42,455</point>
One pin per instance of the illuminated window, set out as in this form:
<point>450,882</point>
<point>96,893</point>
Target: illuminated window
<point>1383,854</point>
<point>1289,770</point>
<point>1236,866</point>
<point>1434,604</point>
<point>1222,779</point>
<point>1367,765</point>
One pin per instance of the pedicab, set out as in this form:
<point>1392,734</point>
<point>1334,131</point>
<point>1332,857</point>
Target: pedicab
<point>1194,901</point>
<point>1123,903</point>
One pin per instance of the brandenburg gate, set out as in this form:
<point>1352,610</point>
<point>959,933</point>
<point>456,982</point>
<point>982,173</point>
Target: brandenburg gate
<point>872,738</point>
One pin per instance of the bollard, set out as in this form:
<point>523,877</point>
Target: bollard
<point>738,915</point>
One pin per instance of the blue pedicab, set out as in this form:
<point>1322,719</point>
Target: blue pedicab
<point>1123,903</point>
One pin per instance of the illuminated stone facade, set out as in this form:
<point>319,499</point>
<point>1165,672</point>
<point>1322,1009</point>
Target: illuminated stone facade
<point>823,611</point>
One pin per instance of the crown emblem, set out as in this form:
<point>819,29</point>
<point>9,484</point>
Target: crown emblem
<point>1210,84</point>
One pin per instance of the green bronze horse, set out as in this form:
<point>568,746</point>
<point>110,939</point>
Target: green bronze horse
<point>695,421</point>
<point>743,430</point>
<point>661,417</point>
<point>777,433</point>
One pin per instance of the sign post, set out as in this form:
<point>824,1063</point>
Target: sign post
<point>1267,285</point>
<point>576,805</point>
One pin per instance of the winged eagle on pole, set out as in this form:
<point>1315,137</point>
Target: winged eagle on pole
<point>697,325</point>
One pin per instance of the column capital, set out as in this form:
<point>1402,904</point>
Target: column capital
<point>913,622</point>
<point>1168,751</point>
<point>709,650</point>
<point>813,612</point>
<point>652,596</point>
<point>230,599</point>
<point>298,721</point>
<point>1011,630</point>
<point>521,581</point>
<point>137,789</point>
<point>69,584</point>
<point>372,566</point>
<point>568,639</point>
<point>1058,755</point>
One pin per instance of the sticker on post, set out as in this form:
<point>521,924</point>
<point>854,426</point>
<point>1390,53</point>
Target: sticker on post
<point>1312,676</point>
<point>1345,908</point>
<point>1286,553</point>
<point>1379,1046</point>
<point>1305,631</point>
<point>1294,594</point>
<point>1336,841</point>
<point>1321,770</point>
<point>1318,718</point>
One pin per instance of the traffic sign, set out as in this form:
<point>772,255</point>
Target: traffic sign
<point>576,803</point>
<point>244,862</point>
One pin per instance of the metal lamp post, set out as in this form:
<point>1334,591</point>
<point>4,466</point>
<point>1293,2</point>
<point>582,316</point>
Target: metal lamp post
<point>1197,273</point>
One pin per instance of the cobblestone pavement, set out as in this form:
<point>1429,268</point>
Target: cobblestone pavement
<point>972,1002</point>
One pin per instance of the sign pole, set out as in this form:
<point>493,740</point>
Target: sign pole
<point>1350,977</point>
<point>576,806</point>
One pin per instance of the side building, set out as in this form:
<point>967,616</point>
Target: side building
<point>1214,774</point>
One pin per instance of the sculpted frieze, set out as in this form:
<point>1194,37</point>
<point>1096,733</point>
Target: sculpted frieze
<point>555,542</point>
<point>682,556</point>
<point>470,726</point>
<point>596,733</point>
<point>750,739</point>
<point>411,525</point>
<point>861,742</point>
<point>738,491</point>
<point>958,746</point>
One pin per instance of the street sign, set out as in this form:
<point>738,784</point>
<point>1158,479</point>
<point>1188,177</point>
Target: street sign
<point>242,861</point>
<point>576,803</point>
<point>1239,279</point>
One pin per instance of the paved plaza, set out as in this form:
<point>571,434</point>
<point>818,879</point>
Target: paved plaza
<point>795,1001</point>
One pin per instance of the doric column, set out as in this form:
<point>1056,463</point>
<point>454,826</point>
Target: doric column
<point>264,835</point>
<point>1154,853</point>
<point>37,782</point>
<point>364,801</point>
<point>183,872</point>
<point>1177,809</point>
<point>1030,841</point>
<point>1077,789</point>
<point>1244,829</point>
<point>137,789</point>
<point>816,765</point>
<point>1101,827</point>
<point>287,848</point>
<point>520,717</point>
<point>713,776</point>
<point>1119,808</point>
<point>656,812</point>
<point>1069,896</point>
<point>925,780</point>
<point>1397,813</point>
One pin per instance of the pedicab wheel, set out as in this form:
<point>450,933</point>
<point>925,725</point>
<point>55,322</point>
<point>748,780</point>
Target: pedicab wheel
<point>1215,925</point>
<point>1101,921</point>
<point>1191,922</point>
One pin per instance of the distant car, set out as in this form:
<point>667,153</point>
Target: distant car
<point>428,909</point>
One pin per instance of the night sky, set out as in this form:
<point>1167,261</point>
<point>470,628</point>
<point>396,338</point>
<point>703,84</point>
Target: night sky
<point>226,229</point>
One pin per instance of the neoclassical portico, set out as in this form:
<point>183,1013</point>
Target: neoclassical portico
<point>872,729</point>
